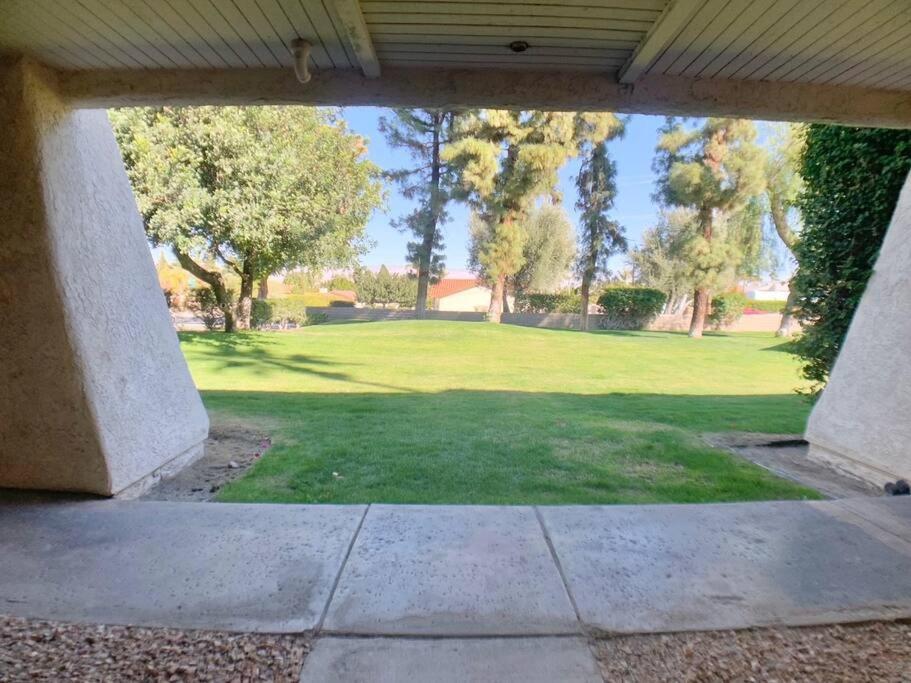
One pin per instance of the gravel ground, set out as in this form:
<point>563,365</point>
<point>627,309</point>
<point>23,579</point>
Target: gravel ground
<point>864,652</point>
<point>51,651</point>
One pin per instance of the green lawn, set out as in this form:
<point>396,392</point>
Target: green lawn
<point>446,412</point>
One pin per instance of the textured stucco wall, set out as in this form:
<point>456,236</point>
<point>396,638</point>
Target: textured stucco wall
<point>94,392</point>
<point>862,421</point>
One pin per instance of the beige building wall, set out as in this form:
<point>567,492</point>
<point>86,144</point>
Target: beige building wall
<point>95,395</point>
<point>474,299</point>
<point>862,421</point>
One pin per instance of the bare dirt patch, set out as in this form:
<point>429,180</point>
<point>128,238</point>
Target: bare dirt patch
<point>865,652</point>
<point>51,651</point>
<point>786,456</point>
<point>231,449</point>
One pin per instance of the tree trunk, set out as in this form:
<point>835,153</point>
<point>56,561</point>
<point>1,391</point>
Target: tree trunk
<point>586,293</point>
<point>215,281</point>
<point>425,258</point>
<point>245,300</point>
<point>263,292</point>
<point>782,227</point>
<point>495,311</point>
<point>786,326</point>
<point>700,308</point>
<point>420,306</point>
<point>780,220</point>
<point>701,296</point>
<point>506,295</point>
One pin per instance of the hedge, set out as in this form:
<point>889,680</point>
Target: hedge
<point>766,306</point>
<point>727,309</point>
<point>630,308</point>
<point>560,302</point>
<point>288,312</point>
<point>852,179</point>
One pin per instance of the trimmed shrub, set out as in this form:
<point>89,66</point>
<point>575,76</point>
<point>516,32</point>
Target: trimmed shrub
<point>202,302</point>
<point>561,302</point>
<point>340,282</point>
<point>727,309</point>
<point>283,313</point>
<point>630,308</point>
<point>260,314</point>
<point>288,312</point>
<point>766,306</point>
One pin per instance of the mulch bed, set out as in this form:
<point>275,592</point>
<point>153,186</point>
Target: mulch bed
<point>866,652</point>
<point>50,651</point>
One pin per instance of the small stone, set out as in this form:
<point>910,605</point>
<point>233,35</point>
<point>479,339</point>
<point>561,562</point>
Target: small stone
<point>233,465</point>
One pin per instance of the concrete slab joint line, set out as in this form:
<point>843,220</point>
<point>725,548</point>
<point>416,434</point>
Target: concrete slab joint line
<point>441,570</point>
<point>338,575</point>
<point>888,519</point>
<point>558,565</point>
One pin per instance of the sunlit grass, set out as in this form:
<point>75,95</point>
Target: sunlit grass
<point>440,412</point>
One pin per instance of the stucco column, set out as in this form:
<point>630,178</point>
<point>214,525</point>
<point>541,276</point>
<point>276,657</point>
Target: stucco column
<point>862,422</point>
<point>95,395</point>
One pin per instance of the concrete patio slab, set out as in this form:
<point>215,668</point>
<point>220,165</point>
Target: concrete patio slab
<point>692,567</point>
<point>892,514</point>
<point>188,565</point>
<point>451,570</point>
<point>488,660</point>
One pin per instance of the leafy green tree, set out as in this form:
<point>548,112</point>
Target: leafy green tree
<point>600,237</point>
<point>852,179</point>
<point>424,133</point>
<point>715,170</point>
<point>340,282</point>
<point>660,262</point>
<point>302,281</point>
<point>505,160</point>
<point>548,250</point>
<point>260,189</point>
<point>384,288</point>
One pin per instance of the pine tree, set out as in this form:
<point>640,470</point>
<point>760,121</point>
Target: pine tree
<point>505,160</point>
<point>600,237</point>
<point>423,132</point>
<point>714,170</point>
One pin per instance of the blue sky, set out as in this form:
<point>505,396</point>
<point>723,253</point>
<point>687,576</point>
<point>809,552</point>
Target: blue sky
<point>634,208</point>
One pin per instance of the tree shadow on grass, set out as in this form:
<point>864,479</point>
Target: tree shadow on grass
<point>789,346</point>
<point>253,351</point>
<point>766,413</point>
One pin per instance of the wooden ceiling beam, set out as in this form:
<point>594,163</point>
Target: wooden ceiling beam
<point>672,20</point>
<point>358,36</point>
<point>494,88</point>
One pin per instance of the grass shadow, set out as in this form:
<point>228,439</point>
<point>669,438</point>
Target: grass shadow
<point>506,447</point>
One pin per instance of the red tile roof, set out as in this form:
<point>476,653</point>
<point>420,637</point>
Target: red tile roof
<point>450,286</point>
<point>344,294</point>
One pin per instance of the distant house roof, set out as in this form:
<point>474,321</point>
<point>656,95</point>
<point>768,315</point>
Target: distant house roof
<point>450,286</point>
<point>345,294</point>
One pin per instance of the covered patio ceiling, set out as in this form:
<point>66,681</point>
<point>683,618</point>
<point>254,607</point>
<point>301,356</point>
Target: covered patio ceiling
<point>844,61</point>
